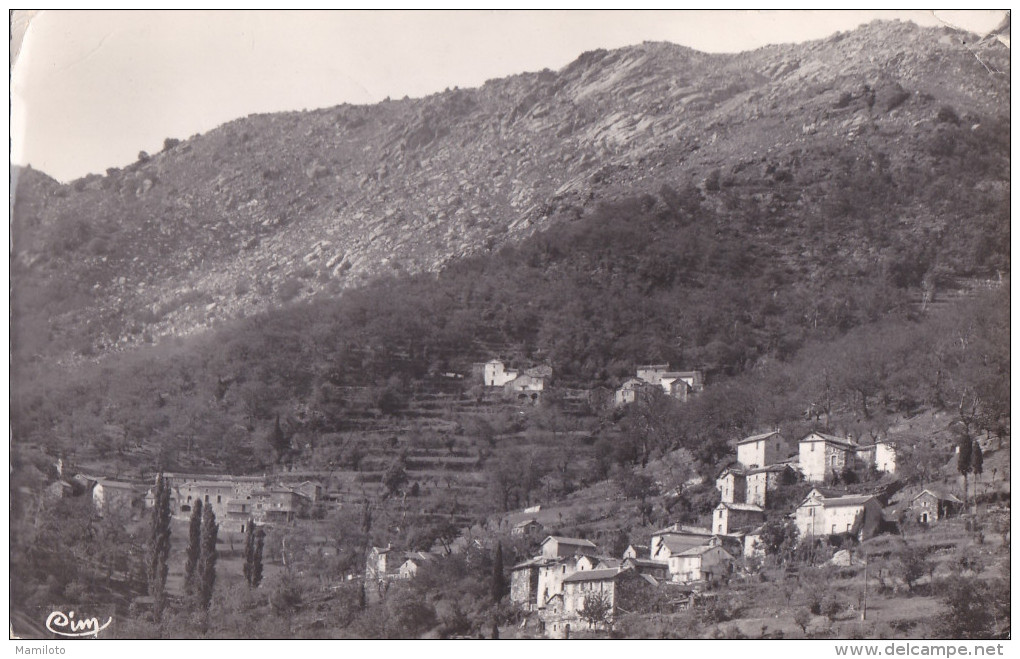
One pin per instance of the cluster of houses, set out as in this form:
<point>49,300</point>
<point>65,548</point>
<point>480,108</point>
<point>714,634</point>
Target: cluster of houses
<point>234,499</point>
<point>526,385</point>
<point>655,377</point>
<point>681,560</point>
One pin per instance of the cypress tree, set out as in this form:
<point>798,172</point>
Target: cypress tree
<point>194,547</point>
<point>964,460</point>
<point>207,558</point>
<point>256,573</point>
<point>254,539</point>
<point>498,579</point>
<point>977,466</point>
<point>249,550</point>
<point>159,547</point>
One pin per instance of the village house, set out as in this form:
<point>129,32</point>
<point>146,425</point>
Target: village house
<point>551,573</point>
<point>495,374</point>
<point>705,563</point>
<point>621,590</point>
<point>821,455</point>
<point>675,539</point>
<point>760,481</point>
<point>637,551</point>
<point>731,517</point>
<point>379,564</point>
<point>107,494</point>
<point>931,505</point>
<point>633,390</point>
<point>555,546</point>
<point>412,563</point>
<point>657,569</point>
<point>732,485</point>
<point>526,387</point>
<point>762,450</point>
<point>524,582</point>
<point>856,514</point>
<point>885,456</point>
<point>678,384</point>
<point>528,528</point>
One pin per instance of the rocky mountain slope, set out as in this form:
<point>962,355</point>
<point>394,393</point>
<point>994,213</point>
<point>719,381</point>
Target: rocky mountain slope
<point>273,208</point>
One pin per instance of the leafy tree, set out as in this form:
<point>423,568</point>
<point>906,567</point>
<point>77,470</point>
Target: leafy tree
<point>802,618</point>
<point>597,609</point>
<point>913,563</point>
<point>159,547</point>
<point>278,441</point>
<point>778,538</point>
<point>395,477</point>
<point>207,557</point>
<point>194,547</point>
<point>975,609</point>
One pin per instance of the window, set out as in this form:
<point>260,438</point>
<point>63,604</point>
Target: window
<point>833,528</point>
<point>812,447</point>
<point>207,498</point>
<point>219,499</point>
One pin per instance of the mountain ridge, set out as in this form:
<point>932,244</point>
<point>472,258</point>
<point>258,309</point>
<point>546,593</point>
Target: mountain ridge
<point>273,208</point>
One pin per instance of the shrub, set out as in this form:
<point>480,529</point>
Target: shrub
<point>289,289</point>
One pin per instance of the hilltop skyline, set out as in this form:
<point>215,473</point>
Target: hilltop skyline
<point>92,89</point>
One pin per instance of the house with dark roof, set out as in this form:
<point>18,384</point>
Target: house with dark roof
<point>821,515</point>
<point>623,590</point>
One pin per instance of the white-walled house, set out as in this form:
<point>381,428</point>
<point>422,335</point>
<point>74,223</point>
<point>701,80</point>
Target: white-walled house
<point>819,515</point>
<point>762,450</point>
<point>703,563</point>
<point>885,457</point>
<point>822,454</point>
<point>675,539</point>
<point>555,546</point>
<point>495,374</point>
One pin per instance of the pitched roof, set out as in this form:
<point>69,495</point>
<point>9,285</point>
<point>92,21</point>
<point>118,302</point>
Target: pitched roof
<point>524,523</point>
<point>829,439</point>
<point>609,562</point>
<point>845,500</point>
<point>775,468</point>
<point>698,551</point>
<point>749,507</point>
<point>119,485</point>
<point>755,438</point>
<point>593,575</point>
<point>646,562</point>
<point>675,545</point>
<point>574,542</point>
<point>679,528</point>
<point>942,496</point>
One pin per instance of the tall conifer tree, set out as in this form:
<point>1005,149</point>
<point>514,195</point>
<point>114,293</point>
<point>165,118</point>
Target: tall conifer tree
<point>159,547</point>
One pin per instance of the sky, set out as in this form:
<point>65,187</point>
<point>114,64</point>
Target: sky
<point>90,89</point>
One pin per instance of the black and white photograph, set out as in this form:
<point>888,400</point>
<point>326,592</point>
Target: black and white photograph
<point>510,324</point>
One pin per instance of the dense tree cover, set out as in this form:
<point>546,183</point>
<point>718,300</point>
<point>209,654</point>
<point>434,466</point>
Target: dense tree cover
<point>682,278</point>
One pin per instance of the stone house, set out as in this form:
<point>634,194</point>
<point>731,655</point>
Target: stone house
<point>528,528</point>
<point>524,582</point>
<point>705,563</point>
<point>732,485</point>
<point>762,450</point>
<point>652,373</point>
<point>551,573</point>
<point>526,387</point>
<point>555,546</point>
<point>730,517</point>
<point>621,589</point>
<point>761,481</point>
<point>820,515</point>
<point>932,505</point>
<point>821,455</point>
<point>657,569</point>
